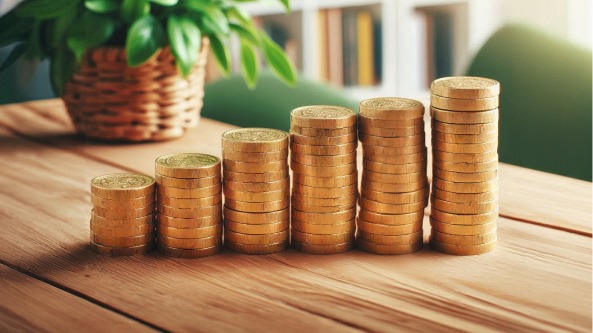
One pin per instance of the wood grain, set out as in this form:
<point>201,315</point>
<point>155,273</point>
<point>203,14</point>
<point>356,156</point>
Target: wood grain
<point>538,280</point>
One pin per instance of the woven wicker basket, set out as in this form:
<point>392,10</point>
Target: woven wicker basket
<point>108,100</point>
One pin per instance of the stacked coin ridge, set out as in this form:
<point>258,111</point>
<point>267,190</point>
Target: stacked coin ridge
<point>256,189</point>
<point>189,204</point>
<point>464,200</point>
<point>394,186</point>
<point>122,219</point>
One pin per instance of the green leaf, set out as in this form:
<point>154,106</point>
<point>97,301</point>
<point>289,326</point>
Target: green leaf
<point>185,39</point>
<point>91,30</point>
<point>61,69</point>
<point>221,54</point>
<point>212,15</point>
<point>165,2</point>
<point>245,33</point>
<point>239,13</point>
<point>14,28</point>
<point>14,55</point>
<point>44,9</point>
<point>286,4</point>
<point>145,38</point>
<point>131,10</point>
<point>102,6</point>
<point>57,32</point>
<point>276,58</point>
<point>249,64</point>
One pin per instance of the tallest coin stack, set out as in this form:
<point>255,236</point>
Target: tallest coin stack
<point>464,199</point>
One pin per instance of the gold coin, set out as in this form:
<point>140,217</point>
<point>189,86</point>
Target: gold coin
<point>320,160</point>
<point>257,207</point>
<point>256,218</point>
<point>395,198</point>
<point>190,193</point>
<point>392,151</point>
<point>370,123</point>
<point>188,253</point>
<point>235,166</point>
<point>257,187</point>
<point>391,219</point>
<point>387,208</point>
<point>465,147</point>
<point>323,171</point>
<point>464,197</point>
<point>133,222</point>
<point>322,116</point>
<point>122,231</point>
<point>123,214</point>
<point>473,219</point>
<point>123,204</point>
<point>191,202</point>
<point>256,229</point>
<point>463,250</point>
<point>465,87</point>
<point>121,251</point>
<point>481,187</point>
<point>188,223</point>
<point>398,239</point>
<point>254,140</point>
<point>462,239</point>
<point>122,241</point>
<point>394,178</point>
<point>465,157</point>
<point>241,156</point>
<point>395,143</point>
<point>464,207</point>
<point>394,168</point>
<point>387,249</point>
<point>453,117</point>
<point>338,181</point>
<point>202,232</point>
<point>391,108</point>
<point>190,213</point>
<point>263,239</point>
<point>463,177</point>
<point>254,177</point>
<point>388,132</point>
<point>464,129</point>
<point>393,188</point>
<point>323,150</point>
<point>395,159</point>
<point>256,248</point>
<point>329,192</point>
<point>323,218</point>
<point>165,181</point>
<point>323,229</point>
<point>188,165</point>
<point>457,104</point>
<point>322,248</point>
<point>323,140</point>
<point>465,138</point>
<point>256,196</point>
<point>387,229</point>
<point>463,229</point>
<point>122,186</point>
<point>349,200</point>
<point>190,243</point>
<point>304,237</point>
<point>468,167</point>
<point>313,208</point>
<point>312,131</point>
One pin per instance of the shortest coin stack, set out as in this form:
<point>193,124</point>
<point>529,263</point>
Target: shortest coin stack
<point>122,220</point>
<point>189,205</point>
<point>256,190</point>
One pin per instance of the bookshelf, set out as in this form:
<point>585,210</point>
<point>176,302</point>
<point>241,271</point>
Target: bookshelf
<point>400,34</point>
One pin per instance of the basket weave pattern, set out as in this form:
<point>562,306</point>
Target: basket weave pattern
<point>108,100</point>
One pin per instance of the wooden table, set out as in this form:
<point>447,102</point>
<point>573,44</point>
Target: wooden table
<point>539,278</point>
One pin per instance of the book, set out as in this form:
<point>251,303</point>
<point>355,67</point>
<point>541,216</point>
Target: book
<point>365,49</point>
<point>335,44</point>
<point>323,45</point>
<point>350,64</point>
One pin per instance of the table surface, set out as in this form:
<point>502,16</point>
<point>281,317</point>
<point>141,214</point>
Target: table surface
<point>538,279</point>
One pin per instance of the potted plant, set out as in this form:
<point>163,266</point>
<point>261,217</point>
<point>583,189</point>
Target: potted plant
<point>133,70</point>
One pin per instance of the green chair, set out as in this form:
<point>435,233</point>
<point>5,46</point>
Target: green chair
<point>545,101</point>
<point>269,104</point>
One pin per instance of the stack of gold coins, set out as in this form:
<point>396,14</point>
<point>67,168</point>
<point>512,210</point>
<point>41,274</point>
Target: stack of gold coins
<point>394,187</point>
<point>122,220</point>
<point>325,178</point>
<point>189,205</point>
<point>256,190</point>
<point>464,201</point>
